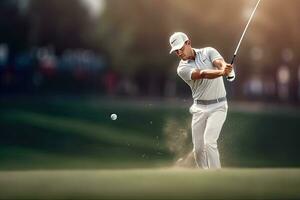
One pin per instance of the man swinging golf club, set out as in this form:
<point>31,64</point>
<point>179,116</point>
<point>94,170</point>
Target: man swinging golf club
<point>203,69</point>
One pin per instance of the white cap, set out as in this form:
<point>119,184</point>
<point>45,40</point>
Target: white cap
<point>177,41</point>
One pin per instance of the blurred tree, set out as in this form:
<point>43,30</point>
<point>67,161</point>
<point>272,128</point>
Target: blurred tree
<point>63,24</point>
<point>13,25</point>
<point>134,33</point>
<point>277,28</point>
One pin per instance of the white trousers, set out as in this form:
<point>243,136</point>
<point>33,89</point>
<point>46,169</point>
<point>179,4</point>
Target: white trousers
<point>207,123</point>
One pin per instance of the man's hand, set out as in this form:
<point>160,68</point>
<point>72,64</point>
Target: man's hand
<point>223,66</point>
<point>227,69</point>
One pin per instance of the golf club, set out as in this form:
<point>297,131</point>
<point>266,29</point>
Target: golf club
<point>231,76</point>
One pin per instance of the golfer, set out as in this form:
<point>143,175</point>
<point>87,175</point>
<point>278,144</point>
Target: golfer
<point>203,70</point>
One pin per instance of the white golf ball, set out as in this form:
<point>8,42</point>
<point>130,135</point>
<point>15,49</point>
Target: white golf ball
<point>113,116</point>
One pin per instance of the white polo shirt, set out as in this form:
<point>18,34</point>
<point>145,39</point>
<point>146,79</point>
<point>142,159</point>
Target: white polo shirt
<point>203,89</point>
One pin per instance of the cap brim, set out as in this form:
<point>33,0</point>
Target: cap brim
<point>176,48</point>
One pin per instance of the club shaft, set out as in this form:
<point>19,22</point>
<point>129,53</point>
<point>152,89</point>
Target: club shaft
<point>238,46</point>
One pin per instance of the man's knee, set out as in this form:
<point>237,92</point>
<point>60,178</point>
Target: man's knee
<point>210,145</point>
<point>207,144</point>
<point>210,142</point>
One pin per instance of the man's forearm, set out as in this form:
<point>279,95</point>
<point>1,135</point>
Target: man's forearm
<point>211,74</point>
<point>207,74</point>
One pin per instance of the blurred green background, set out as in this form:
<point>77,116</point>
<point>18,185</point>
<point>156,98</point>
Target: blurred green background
<point>67,65</point>
<point>77,133</point>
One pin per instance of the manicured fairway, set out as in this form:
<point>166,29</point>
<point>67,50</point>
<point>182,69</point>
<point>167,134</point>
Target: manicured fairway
<point>167,183</point>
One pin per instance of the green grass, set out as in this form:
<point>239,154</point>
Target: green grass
<point>77,133</point>
<point>168,183</point>
<point>69,148</point>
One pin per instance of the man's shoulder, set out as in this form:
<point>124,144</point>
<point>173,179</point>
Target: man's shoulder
<point>209,52</point>
<point>184,65</point>
<point>204,49</point>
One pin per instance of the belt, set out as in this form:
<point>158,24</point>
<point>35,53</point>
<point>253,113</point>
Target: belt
<point>212,101</point>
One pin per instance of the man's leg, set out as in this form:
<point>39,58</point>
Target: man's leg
<point>198,128</point>
<point>214,125</point>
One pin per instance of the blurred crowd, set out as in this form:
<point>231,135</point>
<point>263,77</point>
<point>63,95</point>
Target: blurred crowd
<point>40,69</point>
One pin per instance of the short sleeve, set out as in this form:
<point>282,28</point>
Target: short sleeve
<point>213,54</point>
<point>185,72</point>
